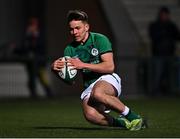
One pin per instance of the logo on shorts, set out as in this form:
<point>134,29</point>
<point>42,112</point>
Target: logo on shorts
<point>94,52</point>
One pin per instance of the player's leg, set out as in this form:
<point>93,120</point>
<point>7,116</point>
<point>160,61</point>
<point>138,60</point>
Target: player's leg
<point>94,113</point>
<point>105,93</point>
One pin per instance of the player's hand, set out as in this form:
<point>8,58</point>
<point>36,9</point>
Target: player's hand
<point>58,64</point>
<point>76,63</point>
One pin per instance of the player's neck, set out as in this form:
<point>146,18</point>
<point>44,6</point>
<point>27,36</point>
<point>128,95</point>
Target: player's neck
<point>85,38</point>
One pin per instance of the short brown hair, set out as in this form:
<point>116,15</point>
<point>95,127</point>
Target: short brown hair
<point>77,15</point>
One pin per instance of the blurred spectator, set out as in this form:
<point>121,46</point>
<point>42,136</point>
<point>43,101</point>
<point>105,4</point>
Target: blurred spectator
<point>164,34</point>
<point>33,49</point>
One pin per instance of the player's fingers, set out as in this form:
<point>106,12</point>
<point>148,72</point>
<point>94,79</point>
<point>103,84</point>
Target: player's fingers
<point>73,67</point>
<point>60,58</point>
<point>69,60</point>
<point>69,64</point>
<point>59,63</point>
<point>57,69</point>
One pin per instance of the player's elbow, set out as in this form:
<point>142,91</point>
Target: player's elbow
<point>111,68</point>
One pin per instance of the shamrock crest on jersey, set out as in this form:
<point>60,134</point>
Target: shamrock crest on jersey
<point>94,52</point>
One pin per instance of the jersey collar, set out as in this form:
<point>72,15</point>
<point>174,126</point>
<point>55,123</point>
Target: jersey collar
<point>87,40</point>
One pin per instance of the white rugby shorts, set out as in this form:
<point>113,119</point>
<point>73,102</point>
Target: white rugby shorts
<point>113,79</point>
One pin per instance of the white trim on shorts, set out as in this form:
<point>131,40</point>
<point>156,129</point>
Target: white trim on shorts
<point>113,79</point>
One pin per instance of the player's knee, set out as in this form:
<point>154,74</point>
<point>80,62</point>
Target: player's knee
<point>90,115</point>
<point>97,94</point>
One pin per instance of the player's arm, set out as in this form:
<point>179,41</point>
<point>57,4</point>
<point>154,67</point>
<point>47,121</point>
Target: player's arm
<point>106,66</point>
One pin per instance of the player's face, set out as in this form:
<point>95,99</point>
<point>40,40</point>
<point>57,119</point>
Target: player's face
<point>79,30</point>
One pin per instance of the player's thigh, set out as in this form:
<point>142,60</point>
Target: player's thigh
<point>104,87</point>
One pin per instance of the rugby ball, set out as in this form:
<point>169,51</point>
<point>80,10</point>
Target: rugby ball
<point>67,73</point>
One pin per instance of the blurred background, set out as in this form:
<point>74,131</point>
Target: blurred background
<point>125,22</point>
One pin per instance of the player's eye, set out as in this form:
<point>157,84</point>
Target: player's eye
<point>77,28</point>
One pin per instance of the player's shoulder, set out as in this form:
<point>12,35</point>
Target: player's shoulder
<point>98,36</point>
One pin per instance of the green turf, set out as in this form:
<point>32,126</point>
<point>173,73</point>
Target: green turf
<point>64,118</point>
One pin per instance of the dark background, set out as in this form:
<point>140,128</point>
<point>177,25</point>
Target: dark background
<point>128,44</point>
<point>52,15</point>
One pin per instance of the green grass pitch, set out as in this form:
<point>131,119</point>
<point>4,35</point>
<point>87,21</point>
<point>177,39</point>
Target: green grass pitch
<point>63,118</point>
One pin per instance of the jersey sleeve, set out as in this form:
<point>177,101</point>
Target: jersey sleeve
<point>104,45</point>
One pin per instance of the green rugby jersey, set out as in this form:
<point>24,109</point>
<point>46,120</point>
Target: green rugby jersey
<point>89,52</point>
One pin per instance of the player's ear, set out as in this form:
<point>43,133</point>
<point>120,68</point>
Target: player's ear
<point>87,27</point>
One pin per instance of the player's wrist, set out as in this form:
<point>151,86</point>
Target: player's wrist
<point>85,66</point>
